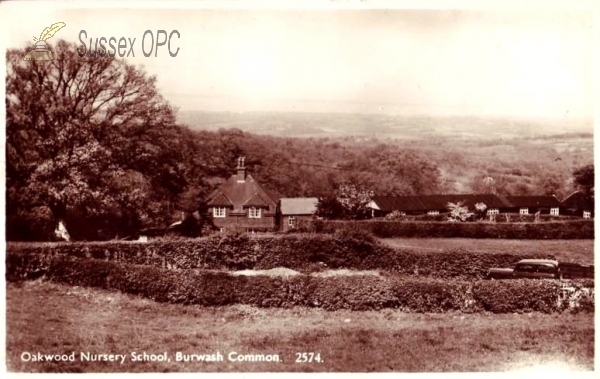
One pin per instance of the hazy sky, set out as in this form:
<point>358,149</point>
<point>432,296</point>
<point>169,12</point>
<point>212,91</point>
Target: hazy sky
<point>525,63</point>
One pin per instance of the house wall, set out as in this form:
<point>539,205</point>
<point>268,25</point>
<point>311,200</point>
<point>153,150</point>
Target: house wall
<point>284,226</point>
<point>532,210</point>
<point>241,220</point>
<point>575,212</point>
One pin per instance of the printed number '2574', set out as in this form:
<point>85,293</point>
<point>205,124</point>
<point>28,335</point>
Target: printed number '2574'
<point>308,357</point>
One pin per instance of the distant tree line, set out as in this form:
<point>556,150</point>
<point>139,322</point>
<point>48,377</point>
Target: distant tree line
<point>90,142</point>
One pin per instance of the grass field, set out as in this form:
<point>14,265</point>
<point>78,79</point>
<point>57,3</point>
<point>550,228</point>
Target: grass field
<point>57,319</point>
<point>580,251</point>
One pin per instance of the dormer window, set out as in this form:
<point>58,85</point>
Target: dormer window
<point>219,212</point>
<point>253,212</point>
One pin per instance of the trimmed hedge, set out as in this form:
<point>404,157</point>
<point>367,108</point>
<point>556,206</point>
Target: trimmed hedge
<point>579,229</point>
<point>502,218</point>
<point>332,293</point>
<point>305,253</point>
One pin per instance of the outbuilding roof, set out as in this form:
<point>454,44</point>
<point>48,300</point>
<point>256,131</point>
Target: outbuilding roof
<point>534,201</point>
<point>437,202</point>
<point>299,206</point>
<point>579,201</point>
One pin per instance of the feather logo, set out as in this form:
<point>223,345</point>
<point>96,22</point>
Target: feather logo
<point>41,52</point>
<point>50,31</point>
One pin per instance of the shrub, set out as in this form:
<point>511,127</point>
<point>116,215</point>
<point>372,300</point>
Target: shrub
<point>209,288</point>
<point>395,216</point>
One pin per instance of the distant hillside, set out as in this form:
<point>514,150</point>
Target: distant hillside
<point>380,126</point>
<point>290,152</point>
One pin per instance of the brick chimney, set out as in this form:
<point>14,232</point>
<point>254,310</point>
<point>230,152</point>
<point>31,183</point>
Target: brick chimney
<point>241,170</point>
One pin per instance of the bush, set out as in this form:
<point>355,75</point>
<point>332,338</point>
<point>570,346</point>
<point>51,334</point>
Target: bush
<point>331,293</point>
<point>579,229</point>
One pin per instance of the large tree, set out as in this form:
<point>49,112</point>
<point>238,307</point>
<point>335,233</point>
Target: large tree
<point>91,141</point>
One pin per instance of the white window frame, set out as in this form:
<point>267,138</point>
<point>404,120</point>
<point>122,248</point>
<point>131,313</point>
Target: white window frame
<point>524,211</point>
<point>433,213</point>
<point>493,211</point>
<point>587,214</point>
<point>219,212</point>
<point>554,211</point>
<point>291,221</point>
<point>254,212</point>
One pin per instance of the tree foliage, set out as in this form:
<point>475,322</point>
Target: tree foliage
<point>583,179</point>
<point>91,140</point>
<point>349,202</point>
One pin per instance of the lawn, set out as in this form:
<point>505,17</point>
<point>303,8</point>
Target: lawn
<point>58,319</point>
<point>580,251</point>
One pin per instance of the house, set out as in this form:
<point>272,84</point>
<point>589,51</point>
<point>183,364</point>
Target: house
<point>296,210</point>
<point>241,202</point>
<point>532,204</point>
<point>433,204</point>
<point>578,204</point>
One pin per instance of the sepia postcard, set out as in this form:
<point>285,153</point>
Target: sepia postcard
<point>325,187</point>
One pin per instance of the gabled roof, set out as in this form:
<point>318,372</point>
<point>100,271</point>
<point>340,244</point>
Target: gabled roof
<point>239,194</point>
<point>256,201</point>
<point>534,201</point>
<point>437,202</point>
<point>578,200</point>
<point>299,206</point>
<point>220,200</point>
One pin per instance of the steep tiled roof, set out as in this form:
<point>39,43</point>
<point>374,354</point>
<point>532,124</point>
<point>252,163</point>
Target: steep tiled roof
<point>220,200</point>
<point>534,201</point>
<point>437,202</point>
<point>578,200</point>
<point>256,201</point>
<point>239,193</point>
<point>299,206</point>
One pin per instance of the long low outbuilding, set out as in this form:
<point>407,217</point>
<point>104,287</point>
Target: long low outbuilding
<point>436,204</point>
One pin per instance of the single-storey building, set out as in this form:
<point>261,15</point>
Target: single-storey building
<point>241,202</point>
<point>296,210</point>
<point>532,204</point>
<point>578,204</point>
<point>434,204</point>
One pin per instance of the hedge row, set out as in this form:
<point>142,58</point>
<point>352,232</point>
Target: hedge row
<point>331,293</point>
<point>580,229</point>
<point>305,253</point>
<point>502,218</point>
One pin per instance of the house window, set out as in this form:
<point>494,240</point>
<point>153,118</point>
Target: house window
<point>587,214</point>
<point>433,213</point>
<point>554,211</point>
<point>493,211</point>
<point>291,221</point>
<point>254,212</point>
<point>218,212</point>
<point>524,211</point>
